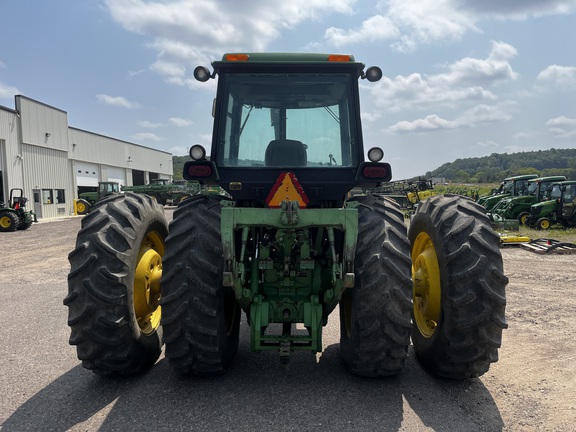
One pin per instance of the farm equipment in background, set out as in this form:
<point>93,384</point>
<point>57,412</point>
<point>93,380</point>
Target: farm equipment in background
<point>287,245</point>
<point>13,215</point>
<point>518,208</point>
<point>87,200</point>
<point>560,208</point>
<point>408,193</point>
<point>511,186</point>
<point>166,192</point>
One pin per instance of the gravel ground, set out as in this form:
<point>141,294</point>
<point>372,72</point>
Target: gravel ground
<point>532,387</point>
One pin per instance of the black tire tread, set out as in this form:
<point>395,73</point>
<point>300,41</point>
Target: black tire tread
<point>380,317</point>
<point>98,286</point>
<point>473,288</point>
<point>192,290</point>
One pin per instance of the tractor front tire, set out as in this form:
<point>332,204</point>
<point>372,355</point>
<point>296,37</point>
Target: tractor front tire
<point>543,223</point>
<point>82,207</point>
<point>200,316</point>
<point>523,218</point>
<point>375,317</point>
<point>459,288</point>
<point>9,221</point>
<point>113,285</point>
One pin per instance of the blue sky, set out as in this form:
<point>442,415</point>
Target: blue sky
<point>462,78</point>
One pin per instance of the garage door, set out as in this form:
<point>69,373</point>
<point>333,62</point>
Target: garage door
<point>87,174</point>
<point>117,175</point>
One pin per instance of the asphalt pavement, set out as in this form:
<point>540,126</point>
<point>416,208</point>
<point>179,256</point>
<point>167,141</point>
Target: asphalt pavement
<point>43,386</point>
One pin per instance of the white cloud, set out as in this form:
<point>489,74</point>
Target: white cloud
<point>116,101</point>
<point>517,10</point>
<point>474,117</point>
<point>408,24</point>
<point>559,75</point>
<point>187,33</point>
<point>525,135</point>
<point>562,127</point>
<point>374,29</point>
<point>463,82</point>
<point>8,91</point>
<point>147,136</point>
<point>180,122</point>
<point>151,125</point>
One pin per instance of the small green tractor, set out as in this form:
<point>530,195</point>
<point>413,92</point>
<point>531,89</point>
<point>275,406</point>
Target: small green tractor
<point>511,186</point>
<point>87,200</point>
<point>13,215</point>
<point>287,245</point>
<point>560,208</point>
<point>518,207</point>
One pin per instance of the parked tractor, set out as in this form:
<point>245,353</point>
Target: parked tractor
<point>13,215</point>
<point>87,200</point>
<point>518,208</point>
<point>166,192</point>
<point>511,186</point>
<point>287,246</point>
<point>560,208</point>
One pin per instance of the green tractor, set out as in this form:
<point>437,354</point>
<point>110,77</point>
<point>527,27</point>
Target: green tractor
<point>511,186</point>
<point>287,245</point>
<point>13,215</point>
<point>87,200</point>
<point>518,208</point>
<point>560,208</point>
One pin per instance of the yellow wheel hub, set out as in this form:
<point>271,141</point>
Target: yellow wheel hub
<point>147,283</point>
<point>80,207</point>
<point>5,222</point>
<point>426,294</point>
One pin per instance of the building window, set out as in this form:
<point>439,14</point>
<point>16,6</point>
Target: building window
<point>60,196</point>
<point>47,197</point>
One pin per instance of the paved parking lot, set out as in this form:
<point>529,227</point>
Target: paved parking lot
<point>43,386</point>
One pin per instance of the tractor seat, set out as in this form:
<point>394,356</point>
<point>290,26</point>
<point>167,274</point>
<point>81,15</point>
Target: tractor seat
<point>286,153</point>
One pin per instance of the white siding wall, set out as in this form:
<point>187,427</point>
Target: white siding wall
<point>42,125</point>
<point>90,147</point>
<point>48,169</point>
<point>11,165</point>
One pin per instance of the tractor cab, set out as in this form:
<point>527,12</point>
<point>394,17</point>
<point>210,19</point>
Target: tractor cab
<point>287,119</point>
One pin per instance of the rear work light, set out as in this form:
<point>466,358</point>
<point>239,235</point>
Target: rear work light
<point>199,171</point>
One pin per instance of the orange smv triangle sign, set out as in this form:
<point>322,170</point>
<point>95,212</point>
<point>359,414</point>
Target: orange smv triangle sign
<point>287,188</point>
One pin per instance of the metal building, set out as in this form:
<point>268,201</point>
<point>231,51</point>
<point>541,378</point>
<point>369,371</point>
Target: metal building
<point>53,162</point>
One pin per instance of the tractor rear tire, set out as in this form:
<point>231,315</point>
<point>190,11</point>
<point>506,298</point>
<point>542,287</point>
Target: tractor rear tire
<point>200,316</point>
<point>459,288</point>
<point>375,317</point>
<point>113,285</point>
<point>9,221</point>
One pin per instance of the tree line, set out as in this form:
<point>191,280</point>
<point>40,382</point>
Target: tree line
<point>494,168</point>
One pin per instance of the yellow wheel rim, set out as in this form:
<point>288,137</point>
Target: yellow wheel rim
<point>5,222</point>
<point>80,207</point>
<point>545,224</point>
<point>426,293</point>
<point>147,283</point>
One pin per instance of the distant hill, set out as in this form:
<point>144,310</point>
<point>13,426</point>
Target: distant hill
<point>494,168</point>
<point>487,169</point>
